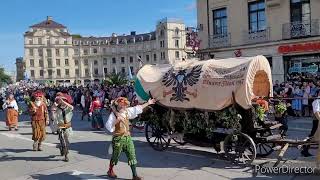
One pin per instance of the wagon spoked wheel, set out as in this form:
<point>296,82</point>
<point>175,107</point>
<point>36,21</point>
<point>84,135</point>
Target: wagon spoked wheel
<point>240,148</point>
<point>156,137</point>
<point>179,140</point>
<point>264,149</point>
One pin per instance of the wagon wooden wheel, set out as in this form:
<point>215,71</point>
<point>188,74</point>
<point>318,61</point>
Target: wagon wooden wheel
<point>179,139</point>
<point>240,148</point>
<point>264,149</point>
<point>156,136</point>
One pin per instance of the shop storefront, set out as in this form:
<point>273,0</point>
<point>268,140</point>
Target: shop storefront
<point>302,59</point>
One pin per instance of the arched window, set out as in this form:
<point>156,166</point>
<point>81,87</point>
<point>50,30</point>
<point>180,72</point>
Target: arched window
<point>177,31</point>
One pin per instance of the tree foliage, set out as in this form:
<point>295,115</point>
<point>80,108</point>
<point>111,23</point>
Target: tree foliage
<point>4,78</point>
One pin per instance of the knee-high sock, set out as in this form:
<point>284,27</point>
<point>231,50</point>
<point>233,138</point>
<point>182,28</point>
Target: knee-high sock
<point>134,170</point>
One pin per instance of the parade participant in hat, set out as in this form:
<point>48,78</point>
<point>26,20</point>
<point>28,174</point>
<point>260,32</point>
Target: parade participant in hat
<point>95,112</point>
<point>118,124</point>
<point>62,115</point>
<point>39,120</point>
<point>12,112</point>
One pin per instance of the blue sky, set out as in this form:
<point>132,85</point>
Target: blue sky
<point>85,17</point>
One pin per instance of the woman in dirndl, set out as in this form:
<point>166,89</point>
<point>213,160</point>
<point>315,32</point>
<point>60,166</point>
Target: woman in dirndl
<point>95,112</point>
<point>12,112</point>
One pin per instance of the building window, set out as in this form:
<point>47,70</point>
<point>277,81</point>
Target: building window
<point>50,72</point>
<point>77,72</point>
<point>147,58</point>
<point>155,57</point>
<point>257,19</point>
<point>122,60</point>
<point>57,52</point>
<point>39,40</point>
<point>41,73</point>
<point>31,63</point>
<point>58,72</point>
<point>104,50</point>
<point>58,62</point>
<point>176,44</point>
<point>95,62</point>
<point>163,55</point>
<point>114,70</point>
<point>65,42</point>
<point>161,33</point>
<point>66,52</point>
<point>113,60</point>
<point>30,41</point>
<point>105,70</point>
<point>123,70</point>
<point>57,42</point>
<point>50,63</point>
<point>49,54</point>
<point>131,69</point>
<point>30,52</point>
<point>86,71</point>
<point>177,31</point>
<point>41,63</point>
<point>32,73</point>
<point>67,72</point>
<point>96,71</point>
<point>86,62</point>
<point>95,51</point>
<point>220,25</point>
<point>105,61</point>
<point>66,62</point>
<point>40,51</point>
<point>177,54</point>
<point>76,51</point>
<point>48,41</point>
<point>300,11</point>
<point>131,59</point>
<point>85,51</point>
<point>76,62</point>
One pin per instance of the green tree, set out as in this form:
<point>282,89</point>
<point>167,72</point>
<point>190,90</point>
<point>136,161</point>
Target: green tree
<point>4,78</point>
<point>116,79</point>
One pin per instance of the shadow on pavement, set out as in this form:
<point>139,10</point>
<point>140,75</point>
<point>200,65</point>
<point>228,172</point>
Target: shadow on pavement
<point>15,150</point>
<point>47,158</point>
<point>68,176</point>
<point>147,157</point>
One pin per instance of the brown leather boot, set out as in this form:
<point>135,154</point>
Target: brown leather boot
<point>111,174</point>
<point>39,146</point>
<point>136,178</point>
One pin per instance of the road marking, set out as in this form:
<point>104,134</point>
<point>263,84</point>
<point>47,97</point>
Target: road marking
<point>18,136</point>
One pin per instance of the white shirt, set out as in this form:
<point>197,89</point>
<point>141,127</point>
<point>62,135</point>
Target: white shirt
<point>133,112</point>
<point>11,104</point>
<point>316,105</point>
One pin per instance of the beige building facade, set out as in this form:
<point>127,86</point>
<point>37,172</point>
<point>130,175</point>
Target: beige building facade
<point>285,31</point>
<point>53,54</point>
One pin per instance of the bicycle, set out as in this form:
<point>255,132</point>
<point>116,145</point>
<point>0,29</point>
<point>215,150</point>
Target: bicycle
<point>64,149</point>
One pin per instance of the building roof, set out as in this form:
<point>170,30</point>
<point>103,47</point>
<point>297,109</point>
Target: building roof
<point>48,23</point>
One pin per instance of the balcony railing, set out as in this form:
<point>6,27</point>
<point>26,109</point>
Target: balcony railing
<point>256,37</point>
<point>300,29</point>
<point>220,40</point>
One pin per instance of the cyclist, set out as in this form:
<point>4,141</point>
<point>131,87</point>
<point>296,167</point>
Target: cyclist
<point>62,115</point>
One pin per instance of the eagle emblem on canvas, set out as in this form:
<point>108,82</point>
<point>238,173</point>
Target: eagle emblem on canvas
<point>180,81</point>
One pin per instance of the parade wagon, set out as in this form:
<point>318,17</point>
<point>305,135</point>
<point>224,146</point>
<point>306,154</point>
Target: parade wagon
<point>210,103</point>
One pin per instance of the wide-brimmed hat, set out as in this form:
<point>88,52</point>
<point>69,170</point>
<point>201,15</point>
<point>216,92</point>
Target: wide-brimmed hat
<point>122,101</point>
<point>38,94</point>
<point>65,97</point>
